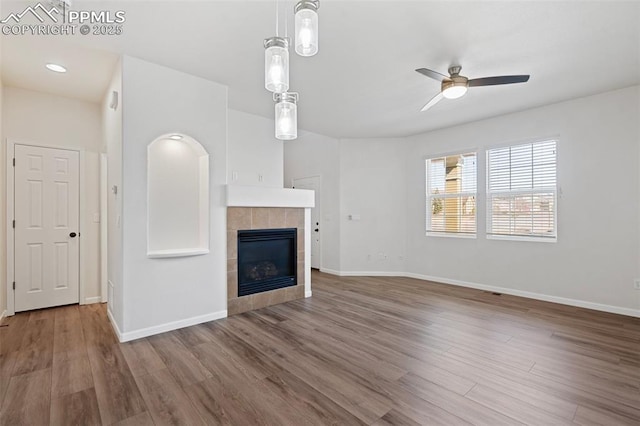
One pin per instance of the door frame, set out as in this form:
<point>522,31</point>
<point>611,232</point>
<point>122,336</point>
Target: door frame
<point>320,215</point>
<point>104,194</point>
<point>9,154</point>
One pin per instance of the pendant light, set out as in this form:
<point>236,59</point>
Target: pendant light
<point>286,115</point>
<point>306,27</point>
<point>276,64</point>
<point>276,59</point>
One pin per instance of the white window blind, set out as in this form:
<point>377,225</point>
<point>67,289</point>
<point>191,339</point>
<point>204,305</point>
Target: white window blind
<point>451,183</point>
<point>521,190</point>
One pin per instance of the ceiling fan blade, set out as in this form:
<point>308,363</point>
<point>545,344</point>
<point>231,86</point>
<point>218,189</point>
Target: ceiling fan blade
<point>432,102</point>
<point>433,74</point>
<point>494,81</point>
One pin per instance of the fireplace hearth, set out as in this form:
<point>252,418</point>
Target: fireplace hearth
<point>267,260</point>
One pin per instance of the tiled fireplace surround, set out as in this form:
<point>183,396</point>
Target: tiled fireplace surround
<point>262,218</point>
<point>254,207</point>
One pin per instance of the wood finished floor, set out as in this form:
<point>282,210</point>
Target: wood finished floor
<point>382,351</point>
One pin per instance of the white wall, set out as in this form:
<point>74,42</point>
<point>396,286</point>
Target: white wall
<point>255,156</point>
<point>161,294</point>
<point>597,255</point>
<point>3,209</point>
<point>112,145</point>
<point>373,187</point>
<point>43,119</point>
<point>316,155</point>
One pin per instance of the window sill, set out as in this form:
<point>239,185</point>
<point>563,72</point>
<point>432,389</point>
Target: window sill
<point>451,235</point>
<point>523,238</point>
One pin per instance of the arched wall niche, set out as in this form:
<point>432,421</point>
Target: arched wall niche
<point>177,197</point>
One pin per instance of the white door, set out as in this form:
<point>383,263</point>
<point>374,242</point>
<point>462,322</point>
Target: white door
<point>314,184</point>
<point>46,212</point>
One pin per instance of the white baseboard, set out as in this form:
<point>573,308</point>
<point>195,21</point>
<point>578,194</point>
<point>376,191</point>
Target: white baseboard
<point>91,300</point>
<point>330,271</point>
<point>307,294</point>
<point>114,325</point>
<point>531,295</point>
<point>513,292</point>
<point>363,273</point>
<point>163,328</point>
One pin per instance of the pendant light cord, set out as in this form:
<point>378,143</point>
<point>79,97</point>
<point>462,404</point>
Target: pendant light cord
<point>277,19</point>
<point>286,24</point>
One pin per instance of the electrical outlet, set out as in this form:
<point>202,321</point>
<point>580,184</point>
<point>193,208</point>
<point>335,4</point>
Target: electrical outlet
<point>636,284</point>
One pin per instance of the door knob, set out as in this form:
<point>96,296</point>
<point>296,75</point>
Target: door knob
<point>73,235</point>
<point>316,230</point>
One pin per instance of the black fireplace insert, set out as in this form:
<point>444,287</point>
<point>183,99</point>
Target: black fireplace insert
<point>267,260</point>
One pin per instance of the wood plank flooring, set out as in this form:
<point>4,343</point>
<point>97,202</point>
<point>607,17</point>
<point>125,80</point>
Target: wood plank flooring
<point>375,351</point>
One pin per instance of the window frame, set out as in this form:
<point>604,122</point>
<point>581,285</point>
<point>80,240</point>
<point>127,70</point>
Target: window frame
<point>488,194</point>
<point>428,196</point>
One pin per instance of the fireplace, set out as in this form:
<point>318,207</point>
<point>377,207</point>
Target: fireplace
<point>267,260</point>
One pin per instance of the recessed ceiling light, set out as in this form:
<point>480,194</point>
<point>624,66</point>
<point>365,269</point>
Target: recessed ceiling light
<point>56,68</point>
<point>175,137</point>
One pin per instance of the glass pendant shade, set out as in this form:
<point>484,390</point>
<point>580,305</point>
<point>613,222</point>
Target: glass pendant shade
<point>286,116</point>
<point>306,27</point>
<point>454,89</point>
<point>276,64</point>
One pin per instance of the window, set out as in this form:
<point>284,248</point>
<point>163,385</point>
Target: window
<point>521,191</point>
<point>451,195</point>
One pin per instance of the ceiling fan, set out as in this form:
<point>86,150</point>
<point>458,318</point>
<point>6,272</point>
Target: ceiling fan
<point>455,85</point>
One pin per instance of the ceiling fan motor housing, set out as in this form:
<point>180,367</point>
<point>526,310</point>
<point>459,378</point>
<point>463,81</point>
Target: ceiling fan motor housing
<point>454,70</point>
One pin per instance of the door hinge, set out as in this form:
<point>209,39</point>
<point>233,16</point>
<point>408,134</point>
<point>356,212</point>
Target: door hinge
<point>14,224</point>
<point>14,162</point>
<point>14,285</point>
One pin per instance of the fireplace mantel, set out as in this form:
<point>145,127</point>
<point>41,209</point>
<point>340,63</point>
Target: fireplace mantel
<point>262,196</point>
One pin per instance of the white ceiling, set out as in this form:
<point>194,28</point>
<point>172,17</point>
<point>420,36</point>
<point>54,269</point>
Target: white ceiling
<point>362,83</point>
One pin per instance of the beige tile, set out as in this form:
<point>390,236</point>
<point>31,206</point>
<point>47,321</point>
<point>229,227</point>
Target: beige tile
<point>293,293</point>
<point>301,272</point>
<point>239,305</point>
<point>292,218</point>
<point>232,265</point>
<point>261,300</point>
<point>300,239</point>
<point>232,245</point>
<point>301,218</point>
<point>278,296</point>
<point>238,218</point>
<point>276,218</point>
<point>259,218</point>
<point>232,284</point>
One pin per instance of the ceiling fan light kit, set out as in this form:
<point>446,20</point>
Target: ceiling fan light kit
<point>454,89</point>
<point>455,85</point>
<point>276,64</point>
